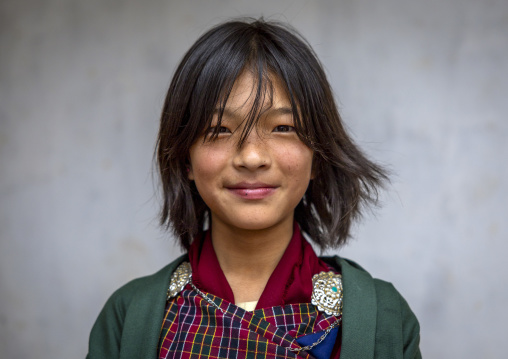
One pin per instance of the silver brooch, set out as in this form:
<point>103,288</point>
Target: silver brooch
<point>327,293</point>
<point>180,278</point>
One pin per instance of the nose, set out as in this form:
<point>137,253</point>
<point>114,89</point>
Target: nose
<point>253,154</point>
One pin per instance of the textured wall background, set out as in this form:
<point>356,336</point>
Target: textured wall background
<point>422,86</point>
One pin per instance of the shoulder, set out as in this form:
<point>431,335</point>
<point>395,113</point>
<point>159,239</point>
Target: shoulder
<point>376,318</point>
<point>359,280</point>
<point>142,286</point>
<point>127,319</point>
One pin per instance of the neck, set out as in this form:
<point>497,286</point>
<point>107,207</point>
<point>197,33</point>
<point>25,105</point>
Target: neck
<point>248,257</point>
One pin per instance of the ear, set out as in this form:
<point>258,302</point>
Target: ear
<point>313,168</point>
<point>190,173</point>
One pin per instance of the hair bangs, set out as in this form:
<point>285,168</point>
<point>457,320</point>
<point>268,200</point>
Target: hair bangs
<point>262,54</point>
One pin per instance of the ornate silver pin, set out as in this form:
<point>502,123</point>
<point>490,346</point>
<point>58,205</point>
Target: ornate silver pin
<point>327,293</point>
<point>180,278</point>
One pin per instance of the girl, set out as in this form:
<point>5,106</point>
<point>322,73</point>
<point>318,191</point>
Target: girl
<point>255,163</point>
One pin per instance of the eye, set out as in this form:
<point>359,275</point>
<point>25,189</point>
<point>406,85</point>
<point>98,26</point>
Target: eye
<point>220,130</point>
<point>223,129</point>
<point>284,128</point>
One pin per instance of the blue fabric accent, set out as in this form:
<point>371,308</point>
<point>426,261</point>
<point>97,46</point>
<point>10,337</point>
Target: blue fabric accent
<point>324,349</point>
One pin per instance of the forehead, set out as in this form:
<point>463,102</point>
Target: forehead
<point>254,94</point>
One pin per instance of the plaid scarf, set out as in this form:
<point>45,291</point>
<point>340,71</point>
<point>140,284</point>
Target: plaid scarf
<point>193,328</point>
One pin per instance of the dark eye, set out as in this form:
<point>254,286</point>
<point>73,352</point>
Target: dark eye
<point>221,129</point>
<point>284,128</point>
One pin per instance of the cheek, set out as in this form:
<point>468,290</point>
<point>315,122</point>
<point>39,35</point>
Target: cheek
<point>297,161</point>
<point>206,165</point>
<point>208,170</point>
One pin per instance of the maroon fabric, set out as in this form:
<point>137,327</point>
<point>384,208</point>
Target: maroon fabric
<point>207,274</point>
<point>290,282</point>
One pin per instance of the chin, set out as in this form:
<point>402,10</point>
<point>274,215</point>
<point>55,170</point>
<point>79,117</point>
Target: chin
<point>260,224</point>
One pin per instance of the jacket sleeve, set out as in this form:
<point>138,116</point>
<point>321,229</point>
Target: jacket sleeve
<point>398,331</point>
<point>106,334</point>
<point>410,332</point>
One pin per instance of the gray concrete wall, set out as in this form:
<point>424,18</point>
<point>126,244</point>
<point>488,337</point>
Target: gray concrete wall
<point>422,85</point>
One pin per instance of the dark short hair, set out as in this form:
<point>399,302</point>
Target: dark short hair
<point>344,179</point>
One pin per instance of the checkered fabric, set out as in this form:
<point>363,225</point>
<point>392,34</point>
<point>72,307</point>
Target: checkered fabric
<point>193,328</point>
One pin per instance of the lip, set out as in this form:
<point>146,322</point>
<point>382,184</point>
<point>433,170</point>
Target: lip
<point>252,191</point>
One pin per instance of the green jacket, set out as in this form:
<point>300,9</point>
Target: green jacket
<point>376,321</point>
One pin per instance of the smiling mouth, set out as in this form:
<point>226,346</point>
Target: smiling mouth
<point>252,191</point>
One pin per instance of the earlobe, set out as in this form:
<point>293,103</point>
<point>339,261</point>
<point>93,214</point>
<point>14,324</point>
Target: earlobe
<point>190,174</point>
<point>313,170</point>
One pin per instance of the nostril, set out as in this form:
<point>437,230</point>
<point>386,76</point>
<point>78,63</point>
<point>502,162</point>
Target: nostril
<point>252,159</point>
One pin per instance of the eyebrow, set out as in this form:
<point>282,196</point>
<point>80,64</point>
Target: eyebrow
<point>283,110</point>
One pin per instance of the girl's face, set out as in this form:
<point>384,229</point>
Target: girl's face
<point>258,185</point>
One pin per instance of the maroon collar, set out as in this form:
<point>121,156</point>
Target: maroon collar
<point>290,282</point>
